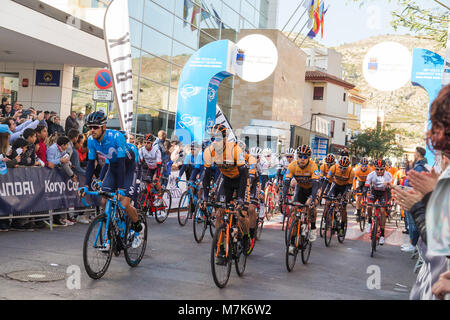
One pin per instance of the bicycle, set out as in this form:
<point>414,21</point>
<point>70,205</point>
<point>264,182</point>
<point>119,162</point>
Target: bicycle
<point>363,216</point>
<point>189,199</point>
<point>228,245</point>
<point>299,233</point>
<point>111,232</point>
<point>333,221</point>
<point>375,232</point>
<point>146,200</point>
<point>270,200</point>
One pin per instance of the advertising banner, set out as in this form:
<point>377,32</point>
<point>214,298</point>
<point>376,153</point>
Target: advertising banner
<point>28,190</point>
<point>427,70</point>
<point>446,74</point>
<point>117,40</point>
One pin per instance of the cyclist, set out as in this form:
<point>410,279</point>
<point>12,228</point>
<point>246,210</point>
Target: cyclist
<point>111,145</point>
<point>152,164</point>
<point>330,160</point>
<point>251,191</point>
<point>189,162</point>
<point>288,158</point>
<point>230,160</point>
<point>267,166</point>
<point>306,173</point>
<point>379,183</point>
<point>361,174</point>
<point>340,177</point>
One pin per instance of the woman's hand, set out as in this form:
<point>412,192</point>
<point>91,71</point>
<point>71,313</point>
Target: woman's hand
<point>407,198</point>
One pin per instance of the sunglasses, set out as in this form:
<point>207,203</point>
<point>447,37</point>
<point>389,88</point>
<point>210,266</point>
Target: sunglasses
<point>343,168</point>
<point>216,139</point>
<point>303,156</point>
<point>93,127</point>
<point>379,170</point>
<point>289,157</point>
<point>268,156</point>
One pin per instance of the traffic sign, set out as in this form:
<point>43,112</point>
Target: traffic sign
<point>103,79</point>
<point>103,95</point>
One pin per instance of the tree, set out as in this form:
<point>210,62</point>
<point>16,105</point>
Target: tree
<point>376,143</point>
<point>432,24</point>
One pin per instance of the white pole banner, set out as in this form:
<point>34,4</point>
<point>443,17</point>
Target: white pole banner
<point>221,119</point>
<point>117,39</point>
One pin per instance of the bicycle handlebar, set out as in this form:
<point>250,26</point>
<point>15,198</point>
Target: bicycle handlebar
<point>105,194</point>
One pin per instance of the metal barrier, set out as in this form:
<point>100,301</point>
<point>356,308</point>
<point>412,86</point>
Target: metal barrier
<point>49,215</point>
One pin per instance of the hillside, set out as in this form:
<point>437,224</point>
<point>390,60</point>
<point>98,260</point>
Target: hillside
<point>407,104</point>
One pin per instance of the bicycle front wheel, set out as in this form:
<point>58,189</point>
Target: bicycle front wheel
<point>362,219</point>
<point>259,228</point>
<point>162,212</point>
<point>306,248</point>
<point>199,223</point>
<point>240,259</point>
<point>97,248</point>
<point>184,207</point>
<point>373,235</point>
<point>211,221</point>
<point>291,255</point>
<point>134,252</point>
<point>322,225</point>
<point>221,257</point>
<point>328,232</point>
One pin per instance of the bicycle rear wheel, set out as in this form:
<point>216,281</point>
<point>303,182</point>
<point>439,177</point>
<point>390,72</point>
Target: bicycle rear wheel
<point>362,219</point>
<point>290,219</point>
<point>373,235</point>
<point>184,207</point>
<point>292,257</point>
<point>328,232</point>
<point>199,223</point>
<point>162,212</point>
<point>270,207</point>
<point>133,256</point>
<point>211,220</point>
<point>342,238</point>
<point>221,269</point>
<point>96,254</point>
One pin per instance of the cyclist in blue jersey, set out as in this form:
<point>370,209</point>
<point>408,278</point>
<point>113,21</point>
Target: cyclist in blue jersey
<point>120,160</point>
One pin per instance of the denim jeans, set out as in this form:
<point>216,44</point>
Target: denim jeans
<point>413,232</point>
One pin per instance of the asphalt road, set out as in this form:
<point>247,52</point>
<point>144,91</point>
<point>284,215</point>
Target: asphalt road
<point>176,267</point>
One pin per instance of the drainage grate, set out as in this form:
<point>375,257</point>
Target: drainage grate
<point>36,276</point>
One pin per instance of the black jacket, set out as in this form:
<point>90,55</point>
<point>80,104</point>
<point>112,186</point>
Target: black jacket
<point>418,213</point>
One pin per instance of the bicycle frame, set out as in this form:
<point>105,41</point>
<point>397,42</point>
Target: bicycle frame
<point>231,222</point>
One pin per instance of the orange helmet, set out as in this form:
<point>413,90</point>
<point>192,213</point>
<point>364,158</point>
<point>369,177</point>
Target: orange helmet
<point>344,162</point>
<point>218,129</point>
<point>364,161</point>
<point>304,149</point>
<point>330,158</point>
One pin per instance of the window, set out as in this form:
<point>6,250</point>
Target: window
<point>318,93</point>
<point>343,126</point>
<point>332,128</point>
<point>345,96</point>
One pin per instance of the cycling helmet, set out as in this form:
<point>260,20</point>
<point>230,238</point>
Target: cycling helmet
<point>364,161</point>
<point>195,144</point>
<point>267,151</point>
<point>330,158</point>
<point>97,118</point>
<point>217,130</point>
<point>149,137</point>
<point>380,164</point>
<point>289,152</point>
<point>205,144</point>
<point>241,145</point>
<point>344,162</point>
<point>255,151</point>
<point>304,149</point>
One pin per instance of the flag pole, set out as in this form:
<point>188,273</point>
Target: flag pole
<point>297,23</point>
<point>293,15</point>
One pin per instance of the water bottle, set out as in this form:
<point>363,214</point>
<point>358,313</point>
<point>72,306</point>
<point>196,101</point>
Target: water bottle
<point>3,168</point>
<point>233,234</point>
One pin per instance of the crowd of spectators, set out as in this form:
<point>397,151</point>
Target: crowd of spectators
<point>35,138</point>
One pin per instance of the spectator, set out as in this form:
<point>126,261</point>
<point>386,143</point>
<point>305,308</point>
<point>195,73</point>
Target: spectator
<point>5,160</point>
<point>72,151</point>
<point>71,122</point>
<point>80,120</point>
<point>429,206</point>
<point>41,149</point>
<point>55,126</point>
<point>17,107</point>
<point>29,157</point>
<point>58,155</point>
<point>82,152</point>
<point>18,130</point>
<point>7,111</point>
<point>4,103</point>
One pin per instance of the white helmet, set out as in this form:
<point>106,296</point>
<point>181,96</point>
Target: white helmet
<point>289,151</point>
<point>267,151</point>
<point>255,151</point>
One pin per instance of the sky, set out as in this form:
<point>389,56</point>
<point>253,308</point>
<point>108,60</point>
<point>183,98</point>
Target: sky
<point>347,22</point>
